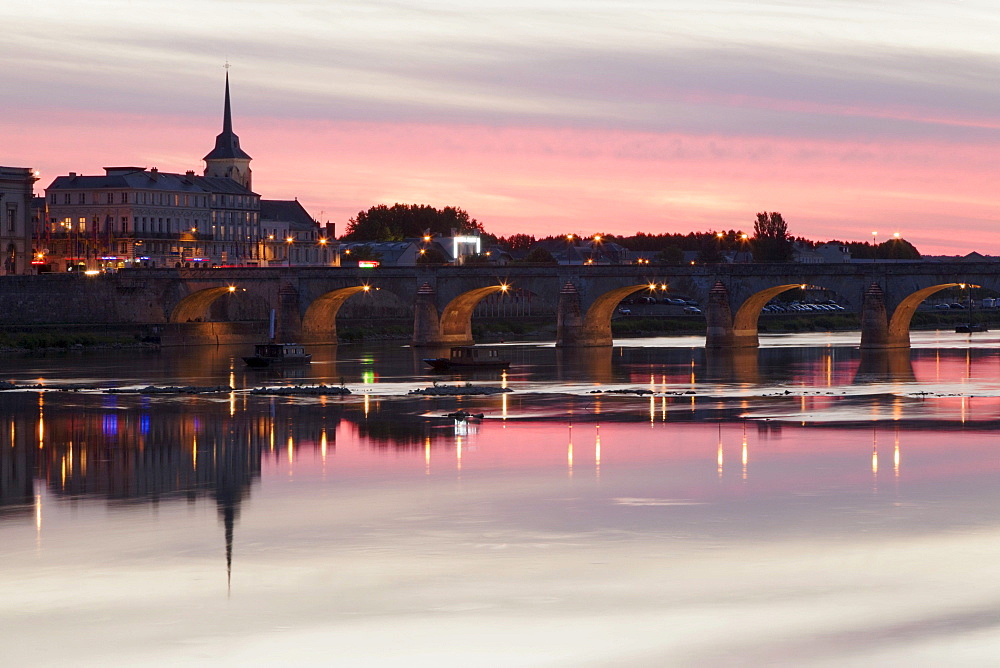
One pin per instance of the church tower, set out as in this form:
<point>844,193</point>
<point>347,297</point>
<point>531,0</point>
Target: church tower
<point>227,159</point>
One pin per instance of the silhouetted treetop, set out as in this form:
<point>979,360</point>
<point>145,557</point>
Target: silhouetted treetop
<point>407,221</point>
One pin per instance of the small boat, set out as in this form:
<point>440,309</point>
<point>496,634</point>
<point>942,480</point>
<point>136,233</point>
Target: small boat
<point>278,354</point>
<point>970,327</point>
<point>468,357</point>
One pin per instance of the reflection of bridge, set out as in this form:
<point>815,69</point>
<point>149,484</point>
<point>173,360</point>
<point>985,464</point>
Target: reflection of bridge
<point>442,299</point>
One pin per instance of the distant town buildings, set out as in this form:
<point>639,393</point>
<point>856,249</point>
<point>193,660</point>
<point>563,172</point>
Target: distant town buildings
<point>138,217</point>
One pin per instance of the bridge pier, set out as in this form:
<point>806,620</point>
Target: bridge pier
<point>428,330</point>
<point>719,320</point>
<point>875,333</point>
<point>573,328</point>
<point>288,325</point>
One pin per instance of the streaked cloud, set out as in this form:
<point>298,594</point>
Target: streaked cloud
<point>679,114</point>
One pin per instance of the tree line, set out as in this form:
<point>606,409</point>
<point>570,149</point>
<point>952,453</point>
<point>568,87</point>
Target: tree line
<point>768,240</point>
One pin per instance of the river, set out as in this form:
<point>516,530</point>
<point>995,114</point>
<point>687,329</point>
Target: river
<point>650,504</point>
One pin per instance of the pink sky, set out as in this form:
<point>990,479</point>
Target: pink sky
<point>658,117</point>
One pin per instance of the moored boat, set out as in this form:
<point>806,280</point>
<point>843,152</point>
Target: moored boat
<point>468,357</point>
<point>278,354</point>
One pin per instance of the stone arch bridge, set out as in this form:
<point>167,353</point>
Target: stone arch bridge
<point>306,300</point>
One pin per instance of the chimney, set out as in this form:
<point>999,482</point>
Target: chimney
<point>72,175</point>
<point>189,173</point>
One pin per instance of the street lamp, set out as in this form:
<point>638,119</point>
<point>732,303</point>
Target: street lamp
<point>290,240</point>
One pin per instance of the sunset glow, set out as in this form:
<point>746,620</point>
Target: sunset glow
<point>543,117</point>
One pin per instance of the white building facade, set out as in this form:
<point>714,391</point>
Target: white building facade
<point>16,193</point>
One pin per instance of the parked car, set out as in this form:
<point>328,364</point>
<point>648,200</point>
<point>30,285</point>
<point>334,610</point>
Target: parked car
<point>693,310</point>
<point>625,311</point>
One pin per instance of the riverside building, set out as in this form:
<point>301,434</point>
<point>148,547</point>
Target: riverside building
<point>16,186</point>
<point>138,217</point>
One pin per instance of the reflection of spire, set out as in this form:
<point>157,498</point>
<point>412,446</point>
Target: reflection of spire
<point>228,519</point>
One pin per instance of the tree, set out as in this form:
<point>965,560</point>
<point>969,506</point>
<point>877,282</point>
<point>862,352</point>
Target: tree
<point>403,221</point>
<point>517,242</point>
<point>432,256</point>
<point>771,241</point>
<point>361,254</point>
<point>897,249</point>
<point>539,255</point>
<point>671,255</point>
<point>710,251</point>
<point>480,259</point>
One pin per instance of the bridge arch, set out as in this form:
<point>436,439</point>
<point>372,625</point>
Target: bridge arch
<point>195,306</point>
<point>745,321</point>
<point>456,317</point>
<point>319,324</point>
<point>902,315</point>
<point>597,321</point>
<point>592,328</point>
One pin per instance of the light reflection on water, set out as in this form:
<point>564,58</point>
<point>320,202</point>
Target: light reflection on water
<point>792,484</point>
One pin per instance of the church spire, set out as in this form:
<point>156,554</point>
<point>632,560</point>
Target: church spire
<point>227,115</point>
<point>227,159</point>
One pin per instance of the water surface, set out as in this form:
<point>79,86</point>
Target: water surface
<point>805,504</point>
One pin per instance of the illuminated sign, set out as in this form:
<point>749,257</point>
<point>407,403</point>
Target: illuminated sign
<point>368,264</point>
<point>456,241</point>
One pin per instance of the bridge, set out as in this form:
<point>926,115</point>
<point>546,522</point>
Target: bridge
<point>442,299</point>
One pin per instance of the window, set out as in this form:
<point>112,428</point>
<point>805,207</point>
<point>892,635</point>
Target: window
<point>124,223</point>
<point>124,198</point>
<point>82,198</point>
<point>109,198</point>
<point>11,217</point>
<point>66,198</point>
